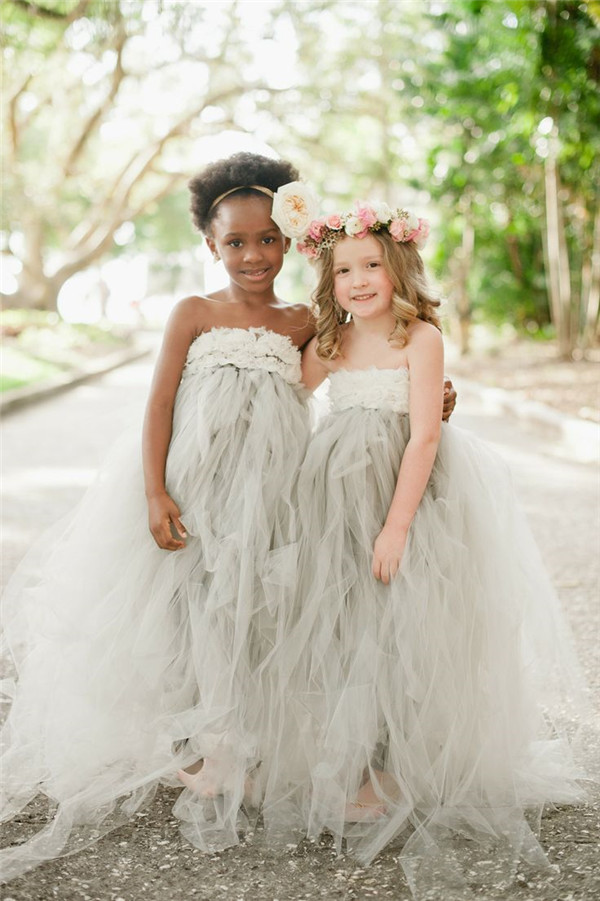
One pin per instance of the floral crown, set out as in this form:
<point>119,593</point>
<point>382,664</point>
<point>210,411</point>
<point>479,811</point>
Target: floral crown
<point>402,225</point>
<point>294,211</point>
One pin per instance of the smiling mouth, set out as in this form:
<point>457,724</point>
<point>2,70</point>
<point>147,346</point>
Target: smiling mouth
<point>255,273</point>
<point>360,297</point>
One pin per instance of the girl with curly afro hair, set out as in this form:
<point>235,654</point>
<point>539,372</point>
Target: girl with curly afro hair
<point>164,592</point>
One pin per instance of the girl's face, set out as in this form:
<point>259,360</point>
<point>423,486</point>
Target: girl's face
<point>248,241</point>
<point>361,284</point>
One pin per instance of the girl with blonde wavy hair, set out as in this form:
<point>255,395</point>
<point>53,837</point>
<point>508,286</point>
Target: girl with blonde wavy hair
<point>412,298</point>
<point>426,663</point>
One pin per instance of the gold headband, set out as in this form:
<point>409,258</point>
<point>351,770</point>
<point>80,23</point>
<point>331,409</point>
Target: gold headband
<point>221,197</point>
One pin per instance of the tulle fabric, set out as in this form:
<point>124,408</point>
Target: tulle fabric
<point>281,659</point>
<point>454,687</point>
<point>132,661</point>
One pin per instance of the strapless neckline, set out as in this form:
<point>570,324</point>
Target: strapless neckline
<point>371,369</point>
<point>256,330</point>
<point>373,388</point>
<point>255,348</point>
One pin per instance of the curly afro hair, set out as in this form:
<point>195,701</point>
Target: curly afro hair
<point>239,170</point>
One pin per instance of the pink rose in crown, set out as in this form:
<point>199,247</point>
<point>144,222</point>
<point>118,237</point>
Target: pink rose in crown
<point>411,226</point>
<point>397,229</point>
<point>367,215</point>
<point>308,251</point>
<point>334,221</point>
<point>422,234</point>
<point>316,229</point>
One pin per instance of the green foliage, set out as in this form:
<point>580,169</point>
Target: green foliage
<point>19,369</point>
<point>166,225</point>
<point>38,346</point>
<point>38,28</point>
<point>445,106</point>
<point>503,69</point>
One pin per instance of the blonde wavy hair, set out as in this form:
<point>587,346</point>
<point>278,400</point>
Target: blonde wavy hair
<point>412,298</point>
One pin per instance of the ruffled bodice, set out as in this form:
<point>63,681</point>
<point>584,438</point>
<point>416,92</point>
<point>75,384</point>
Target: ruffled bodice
<point>253,348</point>
<point>373,389</point>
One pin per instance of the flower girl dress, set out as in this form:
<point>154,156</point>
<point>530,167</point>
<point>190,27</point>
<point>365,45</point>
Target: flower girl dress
<point>448,688</point>
<point>133,661</point>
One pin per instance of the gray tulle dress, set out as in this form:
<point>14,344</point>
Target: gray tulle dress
<point>453,688</point>
<point>132,661</point>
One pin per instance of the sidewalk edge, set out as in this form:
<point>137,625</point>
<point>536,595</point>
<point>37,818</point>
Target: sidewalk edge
<point>577,439</point>
<point>17,398</point>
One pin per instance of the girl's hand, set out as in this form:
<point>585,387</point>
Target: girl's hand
<point>387,554</point>
<point>449,399</point>
<point>163,515</point>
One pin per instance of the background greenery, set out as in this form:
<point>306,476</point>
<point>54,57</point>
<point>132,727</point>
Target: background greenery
<point>483,115</point>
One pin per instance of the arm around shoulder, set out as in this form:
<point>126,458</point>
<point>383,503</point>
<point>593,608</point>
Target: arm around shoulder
<point>314,370</point>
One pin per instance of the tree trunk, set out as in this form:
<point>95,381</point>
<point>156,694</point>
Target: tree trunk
<point>463,261</point>
<point>557,257</point>
<point>590,290</point>
<point>36,290</point>
<point>39,293</point>
<point>512,244</point>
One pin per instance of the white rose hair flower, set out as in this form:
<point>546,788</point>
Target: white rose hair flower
<point>353,226</point>
<point>294,208</point>
<point>382,211</point>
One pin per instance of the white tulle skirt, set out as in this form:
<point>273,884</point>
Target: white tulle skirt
<point>133,661</point>
<point>454,689</point>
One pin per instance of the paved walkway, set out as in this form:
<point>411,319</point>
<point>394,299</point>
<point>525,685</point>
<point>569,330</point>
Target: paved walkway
<point>50,452</point>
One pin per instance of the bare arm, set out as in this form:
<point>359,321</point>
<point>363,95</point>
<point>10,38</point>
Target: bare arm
<point>426,362</point>
<point>314,370</point>
<point>158,423</point>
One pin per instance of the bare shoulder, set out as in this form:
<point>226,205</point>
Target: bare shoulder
<point>300,310</point>
<point>192,309</point>
<point>314,369</point>
<point>425,348</point>
<point>193,315</point>
<point>189,317</point>
<point>424,335</point>
<point>310,354</point>
<point>301,314</point>
<point>301,323</point>
<point>184,325</point>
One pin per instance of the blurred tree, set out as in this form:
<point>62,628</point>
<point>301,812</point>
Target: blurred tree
<point>490,110</point>
<point>451,103</point>
<point>103,103</point>
<point>345,119</point>
<point>351,125</point>
<point>569,95</point>
<point>519,198</point>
